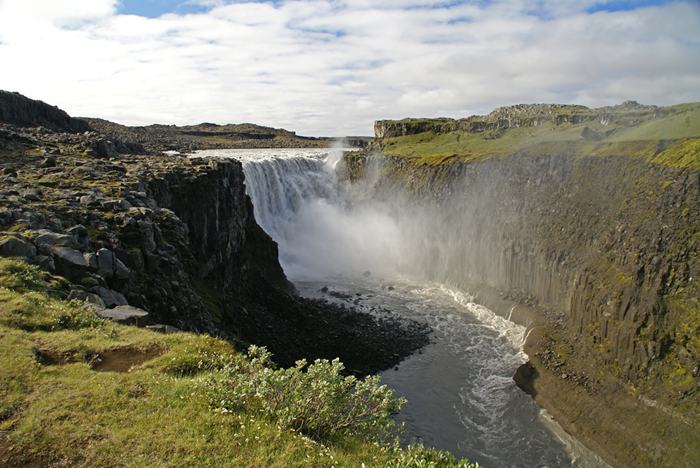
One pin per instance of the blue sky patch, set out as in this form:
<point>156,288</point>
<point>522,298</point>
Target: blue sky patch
<point>156,8</point>
<point>625,5</point>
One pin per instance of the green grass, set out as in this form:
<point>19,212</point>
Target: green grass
<point>671,140</point>
<point>159,413</point>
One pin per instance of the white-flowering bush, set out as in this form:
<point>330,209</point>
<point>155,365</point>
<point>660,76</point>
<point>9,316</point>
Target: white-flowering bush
<point>316,400</point>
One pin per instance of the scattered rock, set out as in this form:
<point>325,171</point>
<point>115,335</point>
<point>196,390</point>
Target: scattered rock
<point>165,329</point>
<point>80,235</point>
<point>44,262</point>
<point>123,314</point>
<point>47,239</point>
<point>72,257</point>
<point>110,297</point>
<point>49,161</point>
<point>85,296</point>
<point>15,247</point>
<point>105,263</point>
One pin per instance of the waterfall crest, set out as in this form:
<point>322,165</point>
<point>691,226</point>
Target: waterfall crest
<point>323,228</point>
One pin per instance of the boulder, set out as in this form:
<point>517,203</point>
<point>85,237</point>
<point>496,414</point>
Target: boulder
<point>105,263</point>
<point>110,297</point>
<point>116,205</point>
<point>47,239</point>
<point>80,235</point>
<point>121,271</point>
<point>88,297</point>
<point>15,247</point>
<point>123,314</point>
<point>165,329</point>
<point>44,262</point>
<point>70,257</point>
<point>91,258</point>
<point>49,161</point>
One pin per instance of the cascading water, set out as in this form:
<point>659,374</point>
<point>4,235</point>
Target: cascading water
<point>338,243</point>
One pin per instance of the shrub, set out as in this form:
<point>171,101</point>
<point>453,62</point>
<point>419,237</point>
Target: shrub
<point>420,456</point>
<point>192,362</point>
<point>316,400</point>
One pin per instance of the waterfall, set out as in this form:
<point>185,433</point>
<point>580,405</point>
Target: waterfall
<point>322,227</point>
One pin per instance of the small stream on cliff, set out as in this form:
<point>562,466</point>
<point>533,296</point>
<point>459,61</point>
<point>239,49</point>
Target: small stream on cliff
<point>339,244</point>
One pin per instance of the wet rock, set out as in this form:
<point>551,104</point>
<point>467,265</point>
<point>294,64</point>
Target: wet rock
<point>15,247</point>
<point>524,378</point>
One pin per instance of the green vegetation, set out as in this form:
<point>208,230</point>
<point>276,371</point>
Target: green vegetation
<point>685,154</point>
<point>677,373</point>
<point>670,139</point>
<point>79,391</point>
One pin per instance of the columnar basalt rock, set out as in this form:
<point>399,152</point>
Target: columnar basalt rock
<point>605,248</point>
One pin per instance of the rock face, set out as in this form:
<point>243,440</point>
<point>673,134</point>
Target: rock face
<point>604,243</point>
<point>605,247</point>
<point>19,110</point>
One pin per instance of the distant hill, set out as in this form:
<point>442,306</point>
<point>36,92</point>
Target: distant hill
<point>19,110</point>
<point>626,129</point>
<point>206,136</point>
<point>21,117</point>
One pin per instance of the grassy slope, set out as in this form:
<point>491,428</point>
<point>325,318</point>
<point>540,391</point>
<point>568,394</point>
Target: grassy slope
<point>679,131</point>
<point>66,413</point>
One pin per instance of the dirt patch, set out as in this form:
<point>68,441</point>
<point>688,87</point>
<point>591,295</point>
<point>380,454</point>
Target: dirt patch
<point>53,358</point>
<point>123,359</point>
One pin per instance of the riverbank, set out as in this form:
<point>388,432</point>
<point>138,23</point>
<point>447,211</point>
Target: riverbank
<point>79,390</point>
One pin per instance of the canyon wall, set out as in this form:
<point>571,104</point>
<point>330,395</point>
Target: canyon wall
<point>605,248</point>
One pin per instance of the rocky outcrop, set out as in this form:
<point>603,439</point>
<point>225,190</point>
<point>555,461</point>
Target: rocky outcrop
<point>176,238</point>
<point>522,115</point>
<point>19,110</point>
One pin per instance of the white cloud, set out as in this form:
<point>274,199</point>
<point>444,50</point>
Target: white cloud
<point>332,67</point>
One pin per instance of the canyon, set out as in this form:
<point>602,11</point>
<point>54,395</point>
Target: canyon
<point>580,225</point>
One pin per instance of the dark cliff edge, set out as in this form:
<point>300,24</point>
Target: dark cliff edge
<point>601,254</point>
<point>233,267</point>
<point>18,110</point>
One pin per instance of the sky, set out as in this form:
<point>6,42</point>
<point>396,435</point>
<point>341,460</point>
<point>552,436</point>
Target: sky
<point>333,67</point>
